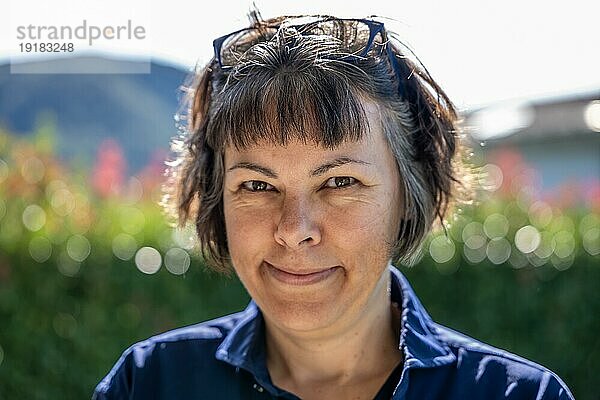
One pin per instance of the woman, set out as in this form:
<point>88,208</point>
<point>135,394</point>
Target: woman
<point>316,154</point>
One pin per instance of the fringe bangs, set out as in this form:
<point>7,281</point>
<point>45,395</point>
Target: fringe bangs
<point>287,106</point>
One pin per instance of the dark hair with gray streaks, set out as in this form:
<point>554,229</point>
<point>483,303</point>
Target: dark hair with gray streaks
<point>260,98</point>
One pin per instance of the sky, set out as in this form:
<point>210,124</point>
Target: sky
<point>480,52</point>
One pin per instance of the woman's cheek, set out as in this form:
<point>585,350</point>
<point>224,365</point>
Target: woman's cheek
<point>247,221</point>
<point>356,214</point>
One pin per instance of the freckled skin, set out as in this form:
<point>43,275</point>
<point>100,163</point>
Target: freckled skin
<point>302,223</point>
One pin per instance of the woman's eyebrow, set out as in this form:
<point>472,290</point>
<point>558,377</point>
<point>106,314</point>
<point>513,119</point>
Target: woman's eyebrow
<point>316,172</point>
<point>336,163</point>
<point>254,167</point>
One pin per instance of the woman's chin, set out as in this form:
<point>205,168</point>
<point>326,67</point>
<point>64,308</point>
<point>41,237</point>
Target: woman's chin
<point>304,304</point>
<point>301,316</point>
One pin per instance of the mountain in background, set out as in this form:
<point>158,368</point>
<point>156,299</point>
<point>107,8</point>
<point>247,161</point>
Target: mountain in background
<point>136,110</point>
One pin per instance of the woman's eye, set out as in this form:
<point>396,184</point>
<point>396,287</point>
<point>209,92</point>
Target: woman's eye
<point>257,186</point>
<point>340,182</point>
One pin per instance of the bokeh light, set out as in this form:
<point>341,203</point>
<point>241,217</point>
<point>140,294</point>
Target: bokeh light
<point>472,229</point>
<point>148,260</point>
<point>546,246</point>
<point>124,246</point>
<point>62,201</point>
<point>592,115</point>
<point>33,170</point>
<point>494,242</point>
<point>527,239</point>
<point>525,196</point>
<point>475,242</point>
<point>564,244</point>
<point>562,264</point>
<point>498,250</point>
<point>34,217</point>
<point>177,261</point>
<point>185,237</point>
<point>589,221</point>
<point>165,239</point>
<point>536,261</point>
<point>53,186</point>
<point>562,223</point>
<point>40,249</point>
<point>515,215</point>
<point>475,255</point>
<point>78,248</point>
<point>517,259</point>
<point>455,229</point>
<point>490,177</point>
<point>591,241</point>
<point>66,265</point>
<point>495,226</point>
<point>540,214</point>
<point>442,249</point>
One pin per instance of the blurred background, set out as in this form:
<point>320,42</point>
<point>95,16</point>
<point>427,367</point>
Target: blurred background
<point>89,264</point>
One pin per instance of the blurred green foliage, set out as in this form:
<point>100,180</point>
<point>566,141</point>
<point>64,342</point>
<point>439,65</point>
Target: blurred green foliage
<point>88,269</point>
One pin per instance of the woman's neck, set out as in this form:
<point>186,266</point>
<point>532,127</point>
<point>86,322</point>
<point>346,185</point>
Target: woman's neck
<point>352,354</point>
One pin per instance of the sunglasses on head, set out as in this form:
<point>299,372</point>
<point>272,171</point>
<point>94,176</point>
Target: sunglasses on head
<point>359,34</point>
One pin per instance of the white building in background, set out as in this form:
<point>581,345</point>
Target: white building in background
<point>558,137</point>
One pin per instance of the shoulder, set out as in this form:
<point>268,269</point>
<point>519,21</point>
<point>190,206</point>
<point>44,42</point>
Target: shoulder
<point>486,368</point>
<point>164,360</point>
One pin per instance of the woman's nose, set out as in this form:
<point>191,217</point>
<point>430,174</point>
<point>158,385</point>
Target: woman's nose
<point>297,227</point>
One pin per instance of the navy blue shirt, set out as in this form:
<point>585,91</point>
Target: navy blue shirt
<point>225,359</point>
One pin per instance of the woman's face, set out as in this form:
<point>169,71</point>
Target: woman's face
<point>309,229</point>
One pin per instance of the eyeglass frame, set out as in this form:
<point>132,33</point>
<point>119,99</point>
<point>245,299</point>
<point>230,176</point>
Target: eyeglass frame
<point>375,27</point>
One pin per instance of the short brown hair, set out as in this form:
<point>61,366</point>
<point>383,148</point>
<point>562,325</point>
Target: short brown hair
<point>287,71</point>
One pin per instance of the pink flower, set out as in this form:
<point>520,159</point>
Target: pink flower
<point>109,171</point>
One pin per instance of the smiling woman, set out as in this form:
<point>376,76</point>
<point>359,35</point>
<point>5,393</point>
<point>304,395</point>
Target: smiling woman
<point>316,154</point>
<point>312,210</point>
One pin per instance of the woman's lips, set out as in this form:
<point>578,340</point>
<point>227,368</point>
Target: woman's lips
<point>299,279</point>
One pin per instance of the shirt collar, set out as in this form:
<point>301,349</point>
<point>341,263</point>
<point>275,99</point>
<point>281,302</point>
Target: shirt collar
<point>418,336</point>
<point>244,345</point>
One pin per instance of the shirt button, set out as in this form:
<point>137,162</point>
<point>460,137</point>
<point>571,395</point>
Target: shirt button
<point>258,387</point>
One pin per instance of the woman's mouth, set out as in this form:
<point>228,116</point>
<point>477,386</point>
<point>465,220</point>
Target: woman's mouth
<point>299,278</point>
